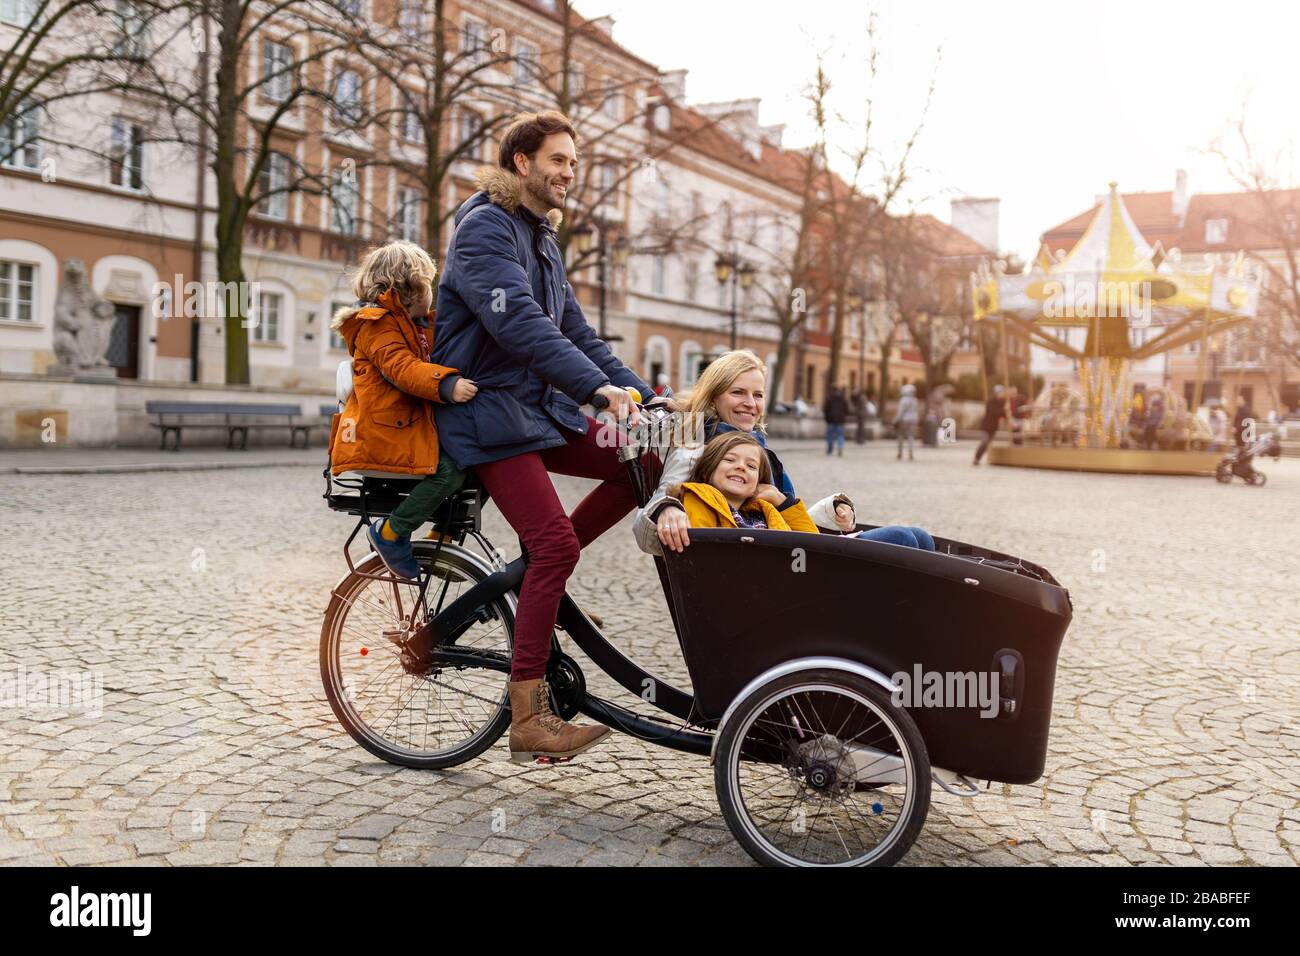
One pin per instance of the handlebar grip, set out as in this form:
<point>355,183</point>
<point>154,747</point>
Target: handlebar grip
<point>600,402</point>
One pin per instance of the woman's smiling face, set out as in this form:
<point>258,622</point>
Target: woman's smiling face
<point>737,474</point>
<point>741,403</point>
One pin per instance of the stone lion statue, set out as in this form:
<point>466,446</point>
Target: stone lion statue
<point>83,323</point>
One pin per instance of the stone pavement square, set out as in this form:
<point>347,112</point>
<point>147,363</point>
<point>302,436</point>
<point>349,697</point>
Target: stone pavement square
<point>190,605</point>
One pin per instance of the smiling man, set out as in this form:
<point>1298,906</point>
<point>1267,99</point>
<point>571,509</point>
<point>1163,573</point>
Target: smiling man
<point>508,319</point>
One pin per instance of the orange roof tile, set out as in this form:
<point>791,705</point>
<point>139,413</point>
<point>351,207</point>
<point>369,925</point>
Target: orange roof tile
<point>1153,214</point>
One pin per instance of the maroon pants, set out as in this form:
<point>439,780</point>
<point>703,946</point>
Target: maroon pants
<point>523,491</point>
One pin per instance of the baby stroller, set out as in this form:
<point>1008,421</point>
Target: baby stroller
<point>1239,462</point>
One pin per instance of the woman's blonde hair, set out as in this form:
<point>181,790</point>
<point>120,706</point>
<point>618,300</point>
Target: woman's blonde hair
<point>401,266</point>
<point>721,373</point>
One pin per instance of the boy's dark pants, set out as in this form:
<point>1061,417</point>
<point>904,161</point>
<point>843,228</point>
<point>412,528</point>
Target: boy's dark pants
<point>424,500</point>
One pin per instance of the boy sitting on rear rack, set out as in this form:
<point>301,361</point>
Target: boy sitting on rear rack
<point>388,424</point>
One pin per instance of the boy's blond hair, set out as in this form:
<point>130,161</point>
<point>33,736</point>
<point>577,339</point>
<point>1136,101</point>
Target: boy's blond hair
<point>401,266</point>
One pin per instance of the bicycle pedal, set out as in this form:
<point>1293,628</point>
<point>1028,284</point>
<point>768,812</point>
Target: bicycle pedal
<point>550,761</point>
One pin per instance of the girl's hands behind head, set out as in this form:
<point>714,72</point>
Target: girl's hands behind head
<point>463,390</point>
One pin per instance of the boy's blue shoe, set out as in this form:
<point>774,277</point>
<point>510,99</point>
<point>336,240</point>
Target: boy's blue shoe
<point>397,555</point>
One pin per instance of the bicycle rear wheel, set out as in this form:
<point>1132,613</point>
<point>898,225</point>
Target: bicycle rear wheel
<point>431,720</point>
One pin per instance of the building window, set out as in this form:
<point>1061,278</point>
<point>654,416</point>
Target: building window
<point>351,7</point>
<point>1216,231</point>
<point>412,126</point>
<point>410,18</point>
<point>577,79</point>
<point>20,145</point>
<point>408,214</point>
<point>692,275</point>
<point>269,307</point>
<point>347,98</point>
<point>126,155</point>
<point>17,291</point>
<point>526,57</point>
<point>132,29</point>
<point>609,182</point>
<point>469,129</point>
<point>277,71</point>
<point>18,12</point>
<point>344,198</point>
<point>273,184</point>
<point>473,41</point>
<point>657,275</point>
<point>613,105</point>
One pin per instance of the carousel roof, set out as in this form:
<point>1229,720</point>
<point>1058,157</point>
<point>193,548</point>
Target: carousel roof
<point>1113,271</point>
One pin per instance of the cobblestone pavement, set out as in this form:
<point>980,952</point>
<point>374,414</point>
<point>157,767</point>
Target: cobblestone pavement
<point>197,598</point>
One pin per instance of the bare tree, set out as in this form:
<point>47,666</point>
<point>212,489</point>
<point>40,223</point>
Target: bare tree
<point>851,205</point>
<point>1272,213</point>
<point>929,290</point>
<point>621,143</point>
<point>258,70</point>
<point>788,274</point>
<point>60,50</point>
<point>449,100</point>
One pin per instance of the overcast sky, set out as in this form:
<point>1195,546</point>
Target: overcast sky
<point>1040,104</point>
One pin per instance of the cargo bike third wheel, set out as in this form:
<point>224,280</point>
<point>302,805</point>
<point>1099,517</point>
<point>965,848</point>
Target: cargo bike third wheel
<point>820,768</point>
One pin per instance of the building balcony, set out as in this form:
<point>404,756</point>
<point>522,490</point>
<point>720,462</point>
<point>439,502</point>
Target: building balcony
<point>274,235</point>
<point>340,248</point>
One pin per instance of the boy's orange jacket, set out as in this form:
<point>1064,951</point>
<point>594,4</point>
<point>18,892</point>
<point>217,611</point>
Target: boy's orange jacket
<point>706,507</point>
<point>387,424</point>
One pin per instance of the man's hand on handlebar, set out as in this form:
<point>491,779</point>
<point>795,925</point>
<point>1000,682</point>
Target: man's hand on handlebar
<point>618,401</point>
<point>672,528</point>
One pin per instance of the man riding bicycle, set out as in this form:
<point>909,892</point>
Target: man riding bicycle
<point>507,318</point>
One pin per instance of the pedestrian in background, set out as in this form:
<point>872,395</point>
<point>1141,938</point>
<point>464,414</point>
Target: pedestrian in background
<point>860,417</point>
<point>1239,421</point>
<point>995,410</point>
<point>1155,415</point>
<point>836,410</point>
<point>905,418</point>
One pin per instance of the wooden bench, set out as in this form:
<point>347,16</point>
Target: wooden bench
<point>234,417</point>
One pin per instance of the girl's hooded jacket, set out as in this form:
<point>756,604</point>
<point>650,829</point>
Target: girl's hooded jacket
<point>387,423</point>
<point>707,507</point>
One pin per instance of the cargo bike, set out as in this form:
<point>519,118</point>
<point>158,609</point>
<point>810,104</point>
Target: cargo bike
<point>796,679</point>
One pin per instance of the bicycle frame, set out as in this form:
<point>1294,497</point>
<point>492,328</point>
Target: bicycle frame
<point>446,627</point>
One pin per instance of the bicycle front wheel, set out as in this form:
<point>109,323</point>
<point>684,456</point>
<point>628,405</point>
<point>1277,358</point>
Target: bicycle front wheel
<point>431,720</point>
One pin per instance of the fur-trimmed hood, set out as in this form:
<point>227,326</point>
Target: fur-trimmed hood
<point>505,190</point>
<point>388,302</point>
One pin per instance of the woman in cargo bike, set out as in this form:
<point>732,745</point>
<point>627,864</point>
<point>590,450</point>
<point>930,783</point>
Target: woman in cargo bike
<point>731,396</point>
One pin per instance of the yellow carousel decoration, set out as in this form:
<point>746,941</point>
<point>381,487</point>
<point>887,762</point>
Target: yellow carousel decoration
<point>1112,282</point>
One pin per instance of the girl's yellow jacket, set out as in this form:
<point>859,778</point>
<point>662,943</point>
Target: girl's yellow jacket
<point>706,507</point>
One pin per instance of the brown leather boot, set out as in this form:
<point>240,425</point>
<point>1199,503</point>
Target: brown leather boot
<point>535,730</point>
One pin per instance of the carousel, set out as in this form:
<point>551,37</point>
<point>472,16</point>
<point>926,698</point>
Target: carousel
<point>1112,284</point>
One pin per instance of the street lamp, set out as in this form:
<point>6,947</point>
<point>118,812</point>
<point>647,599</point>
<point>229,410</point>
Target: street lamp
<point>731,269</point>
<point>585,234</point>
